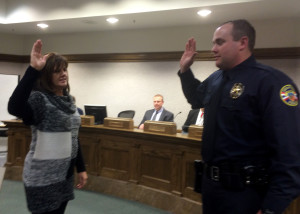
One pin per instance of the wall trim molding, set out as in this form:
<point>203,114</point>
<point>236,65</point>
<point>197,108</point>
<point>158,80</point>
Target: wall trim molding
<point>14,58</point>
<point>260,53</point>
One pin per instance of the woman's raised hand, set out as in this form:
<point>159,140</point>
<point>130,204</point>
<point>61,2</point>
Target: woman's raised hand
<point>37,60</point>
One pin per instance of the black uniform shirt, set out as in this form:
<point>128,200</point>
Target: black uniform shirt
<point>258,119</point>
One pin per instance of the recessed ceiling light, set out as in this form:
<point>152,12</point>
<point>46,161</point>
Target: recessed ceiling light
<point>204,12</point>
<point>42,25</point>
<point>112,20</point>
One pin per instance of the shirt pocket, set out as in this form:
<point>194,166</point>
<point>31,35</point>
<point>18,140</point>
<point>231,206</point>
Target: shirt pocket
<point>231,104</point>
<point>244,106</point>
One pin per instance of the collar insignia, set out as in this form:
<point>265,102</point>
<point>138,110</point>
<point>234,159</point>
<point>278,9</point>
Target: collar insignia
<point>237,90</point>
<point>288,95</point>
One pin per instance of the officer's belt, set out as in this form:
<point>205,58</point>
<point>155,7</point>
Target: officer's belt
<point>249,173</point>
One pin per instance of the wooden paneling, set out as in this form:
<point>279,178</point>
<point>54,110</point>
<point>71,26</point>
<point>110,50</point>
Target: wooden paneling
<point>142,158</point>
<point>90,149</point>
<point>18,145</point>
<point>156,167</point>
<point>189,177</point>
<point>115,158</point>
<point>14,58</point>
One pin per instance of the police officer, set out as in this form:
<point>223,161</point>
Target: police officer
<point>251,138</point>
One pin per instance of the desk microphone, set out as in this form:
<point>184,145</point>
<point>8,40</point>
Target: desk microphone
<point>177,114</point>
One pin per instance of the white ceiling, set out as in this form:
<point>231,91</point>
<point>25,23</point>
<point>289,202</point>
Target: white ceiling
<point>70,16</point>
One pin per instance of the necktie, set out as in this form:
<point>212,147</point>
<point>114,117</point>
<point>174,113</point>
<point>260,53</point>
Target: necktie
<point>209,132</point>
<point>154,117</point>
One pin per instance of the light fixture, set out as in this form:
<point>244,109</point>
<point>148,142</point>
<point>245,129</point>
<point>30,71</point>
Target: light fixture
<point>204,12</point>
<point>42,25</point>
<point>112,20</point>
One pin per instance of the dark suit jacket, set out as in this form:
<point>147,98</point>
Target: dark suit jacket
<point>165,116</point>
<point>191,119</point>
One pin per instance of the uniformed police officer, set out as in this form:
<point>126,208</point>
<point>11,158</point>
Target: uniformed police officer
<point>251,138</point>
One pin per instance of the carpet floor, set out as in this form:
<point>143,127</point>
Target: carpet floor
<point>13,201</point>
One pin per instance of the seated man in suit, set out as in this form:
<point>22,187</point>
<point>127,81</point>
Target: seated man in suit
<point>158,113</point>
<point>195,117</point>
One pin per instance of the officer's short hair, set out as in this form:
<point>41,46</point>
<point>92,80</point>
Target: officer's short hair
<point>242,27</point>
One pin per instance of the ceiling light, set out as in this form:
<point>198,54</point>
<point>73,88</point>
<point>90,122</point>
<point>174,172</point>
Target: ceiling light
<point>112,20</point>
<point>43,26</point>
<point>204,13</point>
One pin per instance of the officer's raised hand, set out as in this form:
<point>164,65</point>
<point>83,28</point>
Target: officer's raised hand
<point>188,56</point>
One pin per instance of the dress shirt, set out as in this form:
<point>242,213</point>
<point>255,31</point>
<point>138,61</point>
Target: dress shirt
<point>200,118</point>
<point>158,114</point>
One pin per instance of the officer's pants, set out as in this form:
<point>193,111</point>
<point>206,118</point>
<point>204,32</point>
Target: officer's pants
<point>217,200</point>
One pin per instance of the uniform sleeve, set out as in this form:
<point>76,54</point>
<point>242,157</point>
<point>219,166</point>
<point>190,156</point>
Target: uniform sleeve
<point>281,122</point>
<point>18,103</point>
<point>191,88</point>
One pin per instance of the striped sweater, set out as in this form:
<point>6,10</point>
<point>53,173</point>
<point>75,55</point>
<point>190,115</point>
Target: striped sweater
<point>54,149</point>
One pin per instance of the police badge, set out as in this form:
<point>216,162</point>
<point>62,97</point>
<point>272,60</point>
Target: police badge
<point>237,90</point>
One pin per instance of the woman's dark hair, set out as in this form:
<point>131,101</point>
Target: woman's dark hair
<point>242,27</point>
<point>54,64</point>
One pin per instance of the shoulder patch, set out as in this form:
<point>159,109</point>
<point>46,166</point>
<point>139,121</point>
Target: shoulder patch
<point>288,95</point>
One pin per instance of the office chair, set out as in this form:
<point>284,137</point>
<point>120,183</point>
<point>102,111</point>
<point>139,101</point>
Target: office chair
<point>127,114</point>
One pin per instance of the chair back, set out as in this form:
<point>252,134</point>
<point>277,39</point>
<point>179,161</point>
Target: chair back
<point>127,114</point>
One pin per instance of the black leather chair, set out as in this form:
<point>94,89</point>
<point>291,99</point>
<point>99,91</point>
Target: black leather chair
<point>127,114</point>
